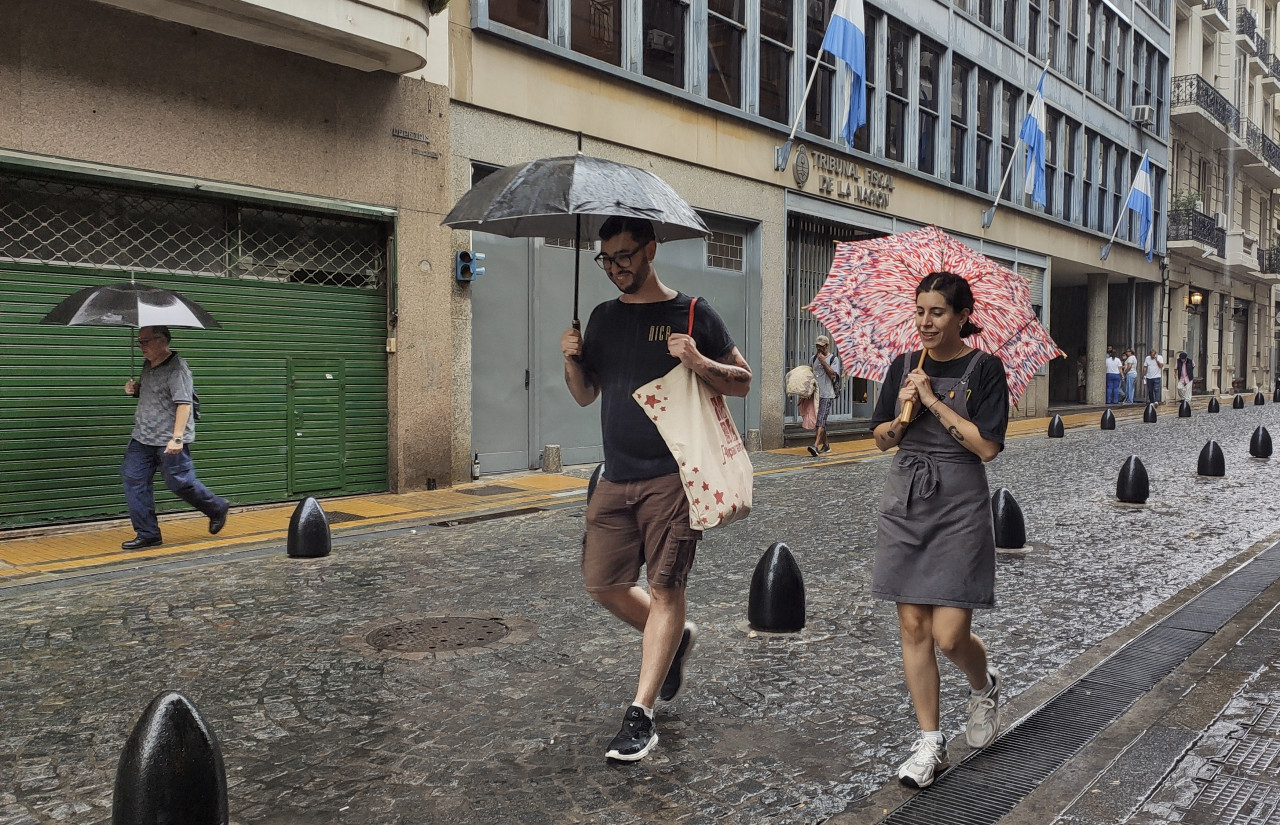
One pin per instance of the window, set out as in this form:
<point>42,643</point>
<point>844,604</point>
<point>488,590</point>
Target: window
<point>960,74</point>
<point>1033,29</point>
<point>986,13</point>
<point>1122,60</point>
<point>1009,123</point>
<point>725,31</point>
<point>1055,27</point>
<point>896,92</point>
<point>862,137</point>
<point>1073,37</point>
<point>1105,52</point>
<point>930,67</point>
<point>986,131</point>
<point>664,34</point>
<point>1010,28</point>
<point>1135,77</point>
<point>526,15</point>
<point>775,59</point>
<point>818,110</point>
<point>595,29</point>
<point>1090,175</point>
<point>724,251</point>
<point>1051,161</point>
<point>1092,11</point>
<point>1071,161</point>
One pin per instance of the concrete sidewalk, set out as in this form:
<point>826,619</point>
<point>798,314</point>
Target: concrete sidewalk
<point>38,553</point>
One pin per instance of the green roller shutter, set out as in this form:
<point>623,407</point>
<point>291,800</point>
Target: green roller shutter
<point>293,394</point>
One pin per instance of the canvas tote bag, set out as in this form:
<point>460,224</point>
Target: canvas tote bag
<point>694,421</point>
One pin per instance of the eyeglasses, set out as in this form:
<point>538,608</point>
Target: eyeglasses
<point>622,260</point>
<point>144,341</point>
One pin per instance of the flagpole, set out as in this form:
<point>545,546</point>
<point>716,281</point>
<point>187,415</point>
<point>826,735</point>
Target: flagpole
<point>782,154</point>
<point>989,215</point>
<point>1106,249</point>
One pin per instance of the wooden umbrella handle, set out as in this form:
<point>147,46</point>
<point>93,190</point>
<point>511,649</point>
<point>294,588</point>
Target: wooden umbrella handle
<point>905,418</point>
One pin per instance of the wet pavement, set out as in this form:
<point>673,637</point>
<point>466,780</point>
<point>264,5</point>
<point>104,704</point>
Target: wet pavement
<point>317,726</point>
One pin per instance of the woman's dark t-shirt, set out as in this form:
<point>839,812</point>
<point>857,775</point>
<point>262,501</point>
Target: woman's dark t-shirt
<point>987,403</point>
<point>624,348</point>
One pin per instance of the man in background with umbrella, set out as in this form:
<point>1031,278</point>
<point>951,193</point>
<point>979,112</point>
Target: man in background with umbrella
<point>164,424</point>
<point>639,513</point>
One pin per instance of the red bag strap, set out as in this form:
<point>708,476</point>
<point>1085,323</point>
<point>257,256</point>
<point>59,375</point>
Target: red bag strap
<point>692,303</point>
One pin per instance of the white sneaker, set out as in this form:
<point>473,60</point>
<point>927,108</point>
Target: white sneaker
<point>928,759</point>
<point>984,715</point>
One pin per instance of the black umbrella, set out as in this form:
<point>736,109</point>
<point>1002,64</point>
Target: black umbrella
<point>129,305</point>
<point>559,197</point>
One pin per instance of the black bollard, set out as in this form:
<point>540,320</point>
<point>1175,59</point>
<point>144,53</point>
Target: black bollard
<point>1133,486</point>
<point>1214,406</point>
<point>1055,427</point>
<point>1275,396</point>
<point>1184,409</point>
<point>1237,403</point>
<point>170,770</point>
<point>309,531</point>
<point>1006,515</point>
<point>596,475</point>
<point>1212,462</point>
<point>1108,420</point>
<point>1149,414</point>
<point>1258,400</point>
<point>776,601</point>
<point>1260,443</point>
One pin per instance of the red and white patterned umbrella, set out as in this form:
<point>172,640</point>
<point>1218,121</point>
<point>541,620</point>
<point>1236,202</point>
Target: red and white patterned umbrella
<point>868,303</point>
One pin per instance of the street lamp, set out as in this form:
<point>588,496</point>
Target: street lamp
<point>1195,299</point>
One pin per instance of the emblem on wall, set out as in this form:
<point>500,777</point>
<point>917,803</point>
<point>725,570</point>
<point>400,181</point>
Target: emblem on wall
<point>801,167</point>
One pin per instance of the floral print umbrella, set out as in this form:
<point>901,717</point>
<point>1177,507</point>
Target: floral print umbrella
<point>868,303</point>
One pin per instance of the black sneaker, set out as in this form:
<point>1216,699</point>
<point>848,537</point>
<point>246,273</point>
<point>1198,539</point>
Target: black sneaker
<point>675,674</point>
<point>813,451</point>
<point>826,448</point>
<point>638,736</point>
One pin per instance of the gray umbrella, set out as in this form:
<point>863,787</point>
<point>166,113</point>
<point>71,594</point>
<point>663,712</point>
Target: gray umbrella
<point>567,196</point>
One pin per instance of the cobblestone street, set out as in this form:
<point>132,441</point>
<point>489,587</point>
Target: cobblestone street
<point>316,726</point>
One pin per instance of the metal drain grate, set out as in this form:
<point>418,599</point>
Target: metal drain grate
<point>337,517</point>
<point>434,634</point>
<point>1235,801</point>
<point>991,782</point>
<point>490,490</point>
<point>458,522</point>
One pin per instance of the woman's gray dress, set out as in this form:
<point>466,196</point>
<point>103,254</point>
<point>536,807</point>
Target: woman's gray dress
<point>935,543</point>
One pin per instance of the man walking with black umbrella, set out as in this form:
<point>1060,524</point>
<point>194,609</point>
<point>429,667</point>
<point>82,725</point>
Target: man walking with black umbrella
<point>164,424</point>
<point>639,514</point>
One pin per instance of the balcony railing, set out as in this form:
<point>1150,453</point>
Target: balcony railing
<point>1220,5</point>
<point>1246,23</point>
<point>1273,65</point>
<point>1269,261</point>
<point>1190,225</point>
<point>1194,90</point>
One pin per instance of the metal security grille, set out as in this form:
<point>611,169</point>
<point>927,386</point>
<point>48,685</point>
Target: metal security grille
<point>77,223</point>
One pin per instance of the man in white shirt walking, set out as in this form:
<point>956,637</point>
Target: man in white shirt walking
<point>1153,365</point>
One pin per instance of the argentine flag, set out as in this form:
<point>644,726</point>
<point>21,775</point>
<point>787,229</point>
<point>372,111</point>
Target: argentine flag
<point>1140,202</point>
<point>846,40</point>
<point>1033,130</point>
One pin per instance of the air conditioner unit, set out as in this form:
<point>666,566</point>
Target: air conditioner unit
<point>1144,115</point>
<point>1200,207</point>
<point>659,41</point>
<point>1220,219</point>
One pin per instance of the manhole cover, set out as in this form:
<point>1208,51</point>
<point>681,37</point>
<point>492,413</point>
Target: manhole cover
<point>437,633</point>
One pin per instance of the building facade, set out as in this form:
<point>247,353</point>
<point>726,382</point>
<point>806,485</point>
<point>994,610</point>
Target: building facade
<point>1223,255</point>
<point>288,172</point>
<point>704,93</point>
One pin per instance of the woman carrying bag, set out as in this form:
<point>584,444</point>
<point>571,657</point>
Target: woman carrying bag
<point>935,544</point>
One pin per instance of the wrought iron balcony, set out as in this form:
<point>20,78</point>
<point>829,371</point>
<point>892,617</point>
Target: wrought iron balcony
<point>1269,261</point>
<point>1194,90</point>
<point>1264,48</point>
<point>1190,225</point>
<point>1220,5</point>
<point>1246,22</point>
<point>1273,65</point>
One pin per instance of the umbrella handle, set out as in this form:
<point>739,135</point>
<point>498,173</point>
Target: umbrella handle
<point>907,406</point>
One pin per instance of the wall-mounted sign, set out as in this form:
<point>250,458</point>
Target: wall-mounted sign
<point>843,179</point>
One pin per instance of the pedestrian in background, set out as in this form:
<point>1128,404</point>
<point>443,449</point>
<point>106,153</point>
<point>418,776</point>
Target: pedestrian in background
<point>638,514</point>
<point>1152,365</point>
<point>1114,374</point>
<point>1184,371</point>
<point>935,543</point>
<point>1130,375</point>
<point>1082,372</point>
<point>163,429</point>
<point>826,370</point>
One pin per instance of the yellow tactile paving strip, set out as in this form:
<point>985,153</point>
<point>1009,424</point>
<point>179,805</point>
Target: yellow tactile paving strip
<point>92,546</point>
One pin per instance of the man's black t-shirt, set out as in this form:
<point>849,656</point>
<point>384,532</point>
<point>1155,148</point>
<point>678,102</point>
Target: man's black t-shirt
<point>624,348</point>
<point>987,403</point>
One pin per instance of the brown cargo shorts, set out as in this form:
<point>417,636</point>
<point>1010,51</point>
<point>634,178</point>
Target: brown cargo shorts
<point>634,523</point>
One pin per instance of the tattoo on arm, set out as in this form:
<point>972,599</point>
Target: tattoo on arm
<point>955,433</point>
<point>732,372</point>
